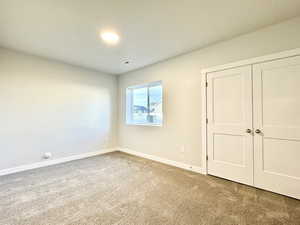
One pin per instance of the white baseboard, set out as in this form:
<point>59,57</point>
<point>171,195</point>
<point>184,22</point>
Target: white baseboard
<point>54,161</point>
<point>196,169</point>
<point>90,154</point>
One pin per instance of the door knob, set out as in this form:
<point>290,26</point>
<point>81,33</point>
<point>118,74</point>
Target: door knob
<point>258,131</point>
<point>248,131</point>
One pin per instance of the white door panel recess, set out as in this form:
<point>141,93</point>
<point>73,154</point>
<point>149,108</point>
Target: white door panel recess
<point>229,111</point>
<point>253,128</point>
<point>277,116</point>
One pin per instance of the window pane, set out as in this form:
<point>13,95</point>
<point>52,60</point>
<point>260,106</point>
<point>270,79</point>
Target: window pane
<point>155,100</point>
<point>140,105</point>
<point>144,104</point>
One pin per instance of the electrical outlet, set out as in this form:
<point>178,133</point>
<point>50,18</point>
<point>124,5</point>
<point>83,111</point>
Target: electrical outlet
<point>47,155</point>
<point>182,148</point>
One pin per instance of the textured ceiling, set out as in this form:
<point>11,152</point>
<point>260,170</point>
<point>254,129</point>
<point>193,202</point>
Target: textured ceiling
<point>151,31</point>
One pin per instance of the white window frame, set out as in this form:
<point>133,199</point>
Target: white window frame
<point>129,105</point>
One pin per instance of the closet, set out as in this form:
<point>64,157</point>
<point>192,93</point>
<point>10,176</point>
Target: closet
<point>253,123</point>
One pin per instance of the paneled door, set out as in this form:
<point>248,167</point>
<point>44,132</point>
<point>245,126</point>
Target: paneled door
<point>276,98</point>
<point>229,128</point>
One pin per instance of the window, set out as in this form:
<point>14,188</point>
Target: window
<point>144,104</point>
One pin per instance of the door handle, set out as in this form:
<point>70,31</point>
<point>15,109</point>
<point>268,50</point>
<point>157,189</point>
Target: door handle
<point>258,131</point>
<point>249,131</point>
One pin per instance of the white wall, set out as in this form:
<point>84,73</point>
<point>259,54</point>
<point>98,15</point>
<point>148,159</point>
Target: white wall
<point>182,98</point>
<point>46,106</point>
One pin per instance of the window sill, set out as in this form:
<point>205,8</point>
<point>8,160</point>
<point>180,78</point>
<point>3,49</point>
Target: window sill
<point>144,124</point>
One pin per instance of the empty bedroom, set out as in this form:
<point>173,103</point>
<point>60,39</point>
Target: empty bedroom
<point>139,112</point>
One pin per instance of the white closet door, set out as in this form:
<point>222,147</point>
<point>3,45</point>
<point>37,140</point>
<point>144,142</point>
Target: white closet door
<point>229,110</point>
<point>277,117</point>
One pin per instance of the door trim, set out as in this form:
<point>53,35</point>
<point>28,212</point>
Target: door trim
<point>204,122</point>
<point>251,61</point>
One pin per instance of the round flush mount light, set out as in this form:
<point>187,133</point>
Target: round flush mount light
<point>109,37</point>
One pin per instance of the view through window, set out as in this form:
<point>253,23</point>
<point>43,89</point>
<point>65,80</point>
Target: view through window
<point>144,104</point>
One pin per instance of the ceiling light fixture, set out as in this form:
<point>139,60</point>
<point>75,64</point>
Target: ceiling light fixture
<point>110,37</point>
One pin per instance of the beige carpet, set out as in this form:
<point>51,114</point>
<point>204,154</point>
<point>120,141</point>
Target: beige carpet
<point>117,188</point>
